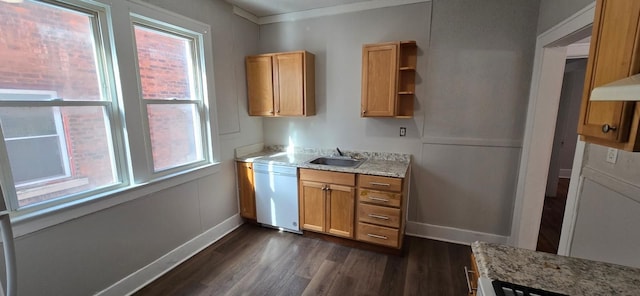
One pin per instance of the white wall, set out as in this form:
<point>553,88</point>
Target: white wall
<point>474,66</point>
<point>88,254</point>
<point>608,209</point>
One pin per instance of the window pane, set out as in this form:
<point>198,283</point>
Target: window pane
<point>77,158</point>
<point>175,135</point>
<point>47,48</point>
<point>29,122</point>
<point>165,63</point>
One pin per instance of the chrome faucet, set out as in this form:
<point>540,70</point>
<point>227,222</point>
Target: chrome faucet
<point>339,152</point>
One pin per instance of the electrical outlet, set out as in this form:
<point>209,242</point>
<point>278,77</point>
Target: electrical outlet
<point>612,155</point>
<point>403,131</point>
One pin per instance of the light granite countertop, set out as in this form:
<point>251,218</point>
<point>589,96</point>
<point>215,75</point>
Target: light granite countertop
<point>376,163</point>
<point>554,273</point>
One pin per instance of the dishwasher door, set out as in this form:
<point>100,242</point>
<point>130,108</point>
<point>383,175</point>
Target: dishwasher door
<point>276,189</point>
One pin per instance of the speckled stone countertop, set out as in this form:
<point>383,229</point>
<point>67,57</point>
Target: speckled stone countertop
<point>376,163</point>
<point>560,274</point>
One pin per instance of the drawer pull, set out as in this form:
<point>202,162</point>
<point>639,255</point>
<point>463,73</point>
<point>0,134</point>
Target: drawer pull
<point>378,199</point>
<point>378,216</point>
<point>466,276</point>
<point>379,184</point>
<point>377,236</point>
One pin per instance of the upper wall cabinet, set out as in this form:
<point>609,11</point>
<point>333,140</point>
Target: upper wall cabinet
<point>281,84</point>
<point>614,54</point>
<point>388,79</point>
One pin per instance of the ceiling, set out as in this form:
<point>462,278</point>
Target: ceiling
<point>262,8</point>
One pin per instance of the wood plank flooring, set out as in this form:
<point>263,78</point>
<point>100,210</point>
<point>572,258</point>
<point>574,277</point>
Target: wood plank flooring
<point>552,215</point>
<point>258,261</point>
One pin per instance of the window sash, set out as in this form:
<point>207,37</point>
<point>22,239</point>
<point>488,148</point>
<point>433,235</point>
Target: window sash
<point>196,77</point>
<point>97,14</point>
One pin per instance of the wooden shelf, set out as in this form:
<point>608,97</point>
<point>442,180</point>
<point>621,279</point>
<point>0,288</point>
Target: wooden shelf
<point>407,68</point>
<point>405,92</point>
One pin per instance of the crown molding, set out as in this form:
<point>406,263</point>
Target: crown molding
<point>245,14</point>
<point>325,11</point>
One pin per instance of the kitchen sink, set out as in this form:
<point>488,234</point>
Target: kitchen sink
<point>338,161</point>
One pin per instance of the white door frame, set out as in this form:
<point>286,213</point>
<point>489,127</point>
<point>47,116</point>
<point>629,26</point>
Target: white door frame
<point>542,112</point>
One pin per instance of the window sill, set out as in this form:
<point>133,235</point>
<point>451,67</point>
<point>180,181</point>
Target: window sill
<point>25,223</point>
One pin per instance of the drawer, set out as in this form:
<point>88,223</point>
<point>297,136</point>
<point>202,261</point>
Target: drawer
<point>380,183</point>
<point>384,216</point>
<point>380,197</point>
<point>328,177</point>
<point>377,234</point>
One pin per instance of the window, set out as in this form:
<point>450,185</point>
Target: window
<point>35,138</point>
<point>56,112</point>
<point>78,124</point>
<point>169,64</point>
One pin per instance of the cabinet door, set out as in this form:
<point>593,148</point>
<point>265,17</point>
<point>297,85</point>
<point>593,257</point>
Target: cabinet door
<point>340,209</point>
<point>613,55</point>
<point>260,85</point>
<point>379,79</point>
<point>289,84</point>
<point>245,190</point>
<point>312,206</point>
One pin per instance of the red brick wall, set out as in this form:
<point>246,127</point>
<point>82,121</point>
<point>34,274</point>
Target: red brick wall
<point>164,70</point>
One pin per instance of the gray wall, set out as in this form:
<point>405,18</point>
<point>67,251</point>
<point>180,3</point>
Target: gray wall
<point>86,255</point>
<point>553,12</point>
<point>474,66</point>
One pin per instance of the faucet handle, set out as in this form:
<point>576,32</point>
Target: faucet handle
<point>339,152</point>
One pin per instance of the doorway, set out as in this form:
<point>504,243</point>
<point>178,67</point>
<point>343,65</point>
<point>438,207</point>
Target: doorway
<point>542,111</point>
<point>564,147</point>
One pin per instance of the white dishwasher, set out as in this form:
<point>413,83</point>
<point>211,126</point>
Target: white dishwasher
<point>276,188</point>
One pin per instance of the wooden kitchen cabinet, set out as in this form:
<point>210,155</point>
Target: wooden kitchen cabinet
<point>327,202</point>
<point>381,210</point>
<point>614,54</point>
<point>388,79</point>
<point>281,84</point>
<point>246,193</point>
<point>471,275</point>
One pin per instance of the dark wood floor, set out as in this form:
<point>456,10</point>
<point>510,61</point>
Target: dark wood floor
<point>552,215</point>
<point>258,261</point>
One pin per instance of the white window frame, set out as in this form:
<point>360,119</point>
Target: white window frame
<point>195,66</point>
<point>59,133</point>
<point>160,20</point>
<point>131,152</point>
<point>99,15</point>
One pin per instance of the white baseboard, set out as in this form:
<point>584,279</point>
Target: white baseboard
<point>565,174</point>
<point>156,269</point>
<point>451,234</point>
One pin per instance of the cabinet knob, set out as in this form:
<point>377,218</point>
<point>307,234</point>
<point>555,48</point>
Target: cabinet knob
<point>364,112</point>
<point>606,128</point>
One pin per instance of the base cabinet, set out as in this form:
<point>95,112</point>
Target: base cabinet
<point>327,202</point>
<point>381,210</point>
<point>246,193</point>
